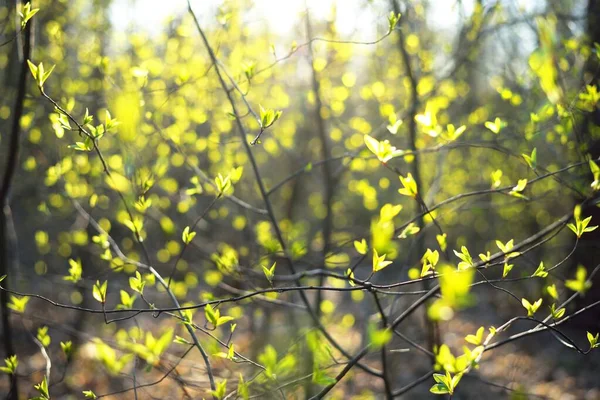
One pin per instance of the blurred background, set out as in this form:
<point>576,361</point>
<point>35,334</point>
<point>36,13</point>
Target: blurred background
<point>337,73</point>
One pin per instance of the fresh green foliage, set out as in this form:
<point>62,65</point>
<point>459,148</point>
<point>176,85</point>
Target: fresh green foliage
<point>269,272</point>
<point>465,257</point>
<point>39,73</point>
<point>531,308</point>
<point>268,117</point>
<point>410,186</point>
<point>27,13</point>
<point>88,394</point>
<point>75,271</point>
<point>187,236</point>
<point>221,390</point>
<point>531,159</point>
<point>495,126</point>
<point>18,304</point>
<point>593,339</point>
<point>42,389</point>
<point>581,225</point>
<point>445,383</point>
<point>379,262</point>
<point>10,365</point>
<point>580,284</point>
<point>214,316</point>
<point>43,337</point>
<point>476,339</point>
<point>99,291</point>
<point>540,271</point>
<point>557,314</point>
<point>361,247</point>
<point>67,348</point>
<point>383,150</point>
<point>379,337</point>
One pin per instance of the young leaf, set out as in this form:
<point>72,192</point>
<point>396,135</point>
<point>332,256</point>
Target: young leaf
<point>187,236</point>
<point>361,247</point>
<point>99,291</point>
<point>477,338</point>
<point>580,284</point>
<point>410,186</point>
<point>89,394</point>
<point>496,126</point>
<point>531,159</point>
<point>269,272</point>
<point>593,340</point>
<point>18,304</point>
<point>531,308</point>
<point>540,271</point>
<point>379,262</point>
<point>10,365</point>
<point>382,149</point>
<point>551,289</point>
<point>27,13</point>
<point>221,390</point>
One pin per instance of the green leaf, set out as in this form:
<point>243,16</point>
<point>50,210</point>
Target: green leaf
<point>11,364</point>
<point>465,257</point>
<point>540,271</point>
<point>67,348</point>
<point>410,186</point>
<point>34,69</point>
<point>442,241</point>
<point>43,337</point>
<point>516,191</point>
<point>496,126</point>
<point>507,268</point>
<point>361,247</point>
<point>410,230</point>
<point>99,291</point>
<point>269,272</point>
<point>382,149</point>
<point>211,314</point>
<point>268,117</point>
<point>580,283</point>
<point>496,178</point>
<point>393,19</point>
<point>557,314</point>
<point>75,271</point>
<point>379,337</point>
<point>242,389</point>
<point>187,236</point>
<point>180,340</point>
<point>551,289</point>
<point>389,211</point>
<point>18,304</point>
<point>42,388</point>
<point>137,283</point>
<point>453,133</point>
<point>321,378</point>
<point>379,262</point>
<point>27,13</point>
<point>221,390</point>
<point>222,183</point>
<point>477,338</point>
<point>531,159</point>
<point>593,340</point>
<point>596,172</point>
<point>89,394</point>
<point>531,308</point>
<point>394,124</point>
